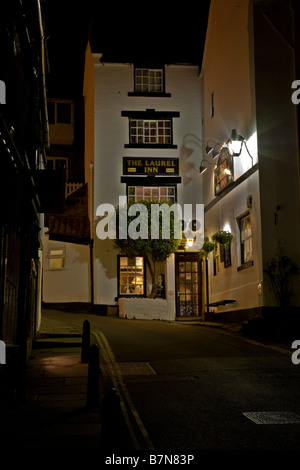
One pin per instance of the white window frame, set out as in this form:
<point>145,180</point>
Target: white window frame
<point>152,193</point>
<point>246,239</point>
<point>149,80</point>
<point>150,131</point>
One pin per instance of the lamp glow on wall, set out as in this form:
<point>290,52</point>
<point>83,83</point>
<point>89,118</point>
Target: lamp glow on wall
<point>235,144</point>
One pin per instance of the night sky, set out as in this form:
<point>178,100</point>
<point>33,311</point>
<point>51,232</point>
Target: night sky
<point>123,30</point>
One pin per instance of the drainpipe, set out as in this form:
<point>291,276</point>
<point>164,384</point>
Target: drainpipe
<point>45,121</point>
<point>91,199</point>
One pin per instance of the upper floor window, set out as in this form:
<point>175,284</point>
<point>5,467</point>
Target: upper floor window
<point>149,80</point>
<point>150,128</point>
<point>152,193</point>
<point>59,112</point>
<point>150,132</point>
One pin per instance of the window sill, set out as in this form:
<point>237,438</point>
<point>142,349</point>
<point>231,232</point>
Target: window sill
<point>150,94</point>
<point>130,296</point>
<point>153,146</point>
<point>245,266</point>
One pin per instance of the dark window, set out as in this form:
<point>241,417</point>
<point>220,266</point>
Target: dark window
<point>51,112</point>
<point>63,113</point>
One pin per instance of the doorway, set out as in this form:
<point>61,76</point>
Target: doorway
<point>188,285</point>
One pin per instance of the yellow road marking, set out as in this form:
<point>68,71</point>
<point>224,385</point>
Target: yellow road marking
<point>122,391</point>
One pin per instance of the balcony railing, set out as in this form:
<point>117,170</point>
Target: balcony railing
<point>71,187</point>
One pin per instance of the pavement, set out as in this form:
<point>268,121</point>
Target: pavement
<point>62,408</point>
<point>59,411</point>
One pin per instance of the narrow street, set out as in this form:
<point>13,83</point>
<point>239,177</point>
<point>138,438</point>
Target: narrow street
<point>186,387</point>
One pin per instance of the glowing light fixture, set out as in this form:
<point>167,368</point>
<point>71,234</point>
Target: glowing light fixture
<point>235,144</point>
<point>190,242</point>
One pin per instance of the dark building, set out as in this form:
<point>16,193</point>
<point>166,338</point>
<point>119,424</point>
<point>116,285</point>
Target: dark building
<point>23,142</point>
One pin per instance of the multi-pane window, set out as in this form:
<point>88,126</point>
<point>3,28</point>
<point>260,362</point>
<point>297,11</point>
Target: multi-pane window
<point>56,257</point>
<point>152,193</point>
<point>246,239</point>
<point>131,275</point>
<point>150,131</point>
<point>148,80</point>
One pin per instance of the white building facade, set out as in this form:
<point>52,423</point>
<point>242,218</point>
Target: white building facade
<point>143,142</point>
<point>246,83</point>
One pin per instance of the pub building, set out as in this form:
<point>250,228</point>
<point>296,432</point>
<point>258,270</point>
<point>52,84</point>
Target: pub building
<point>166,131</point>
<point>147,145</point>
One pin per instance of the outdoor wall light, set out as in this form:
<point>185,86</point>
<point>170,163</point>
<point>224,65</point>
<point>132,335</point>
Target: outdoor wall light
<point>190,242</point>
<point>235,144</point>
<point>203,168</point>
<point>213,149</point>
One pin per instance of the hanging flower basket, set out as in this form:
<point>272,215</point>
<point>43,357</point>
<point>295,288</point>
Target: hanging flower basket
<point>223,238</point>
<point>207,248</point>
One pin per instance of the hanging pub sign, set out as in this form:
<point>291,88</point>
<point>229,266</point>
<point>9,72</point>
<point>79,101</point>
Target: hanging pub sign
<point>224,170</point>
<point>148,166</point>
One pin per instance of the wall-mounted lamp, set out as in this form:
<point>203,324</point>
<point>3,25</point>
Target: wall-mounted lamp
<point>203,168</point>
<point>190,242</point>
<point>213,148</point>
<point>235,144</point>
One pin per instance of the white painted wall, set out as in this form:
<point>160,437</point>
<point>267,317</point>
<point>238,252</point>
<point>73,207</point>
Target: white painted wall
<point>228,74</point>
<point>112,82</point>
<point>70,284</point>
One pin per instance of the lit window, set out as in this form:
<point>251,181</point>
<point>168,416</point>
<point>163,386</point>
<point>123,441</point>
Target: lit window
<point>150,131</point>
<point>152,193</point>
<point>148,80</point>
<point>246,239</point>
<point>131,275</point>
<point>56,258</point>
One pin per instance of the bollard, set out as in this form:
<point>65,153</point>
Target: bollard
<point>85,346</point>
<point>111,420</point>
<point>93,377</point>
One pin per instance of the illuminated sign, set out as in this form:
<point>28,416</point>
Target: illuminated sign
<point>224,171</point>
<point>155,166</point>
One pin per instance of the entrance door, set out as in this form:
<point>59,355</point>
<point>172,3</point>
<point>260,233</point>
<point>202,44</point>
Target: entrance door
<point>188,285</point>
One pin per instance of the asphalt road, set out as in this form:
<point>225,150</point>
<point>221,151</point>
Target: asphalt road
<point>186,388</point>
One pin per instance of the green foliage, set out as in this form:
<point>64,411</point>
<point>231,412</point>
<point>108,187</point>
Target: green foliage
<point>223,237</point>
<point>153,249</point>
<point>207,248</point>
<point>160,248</point>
